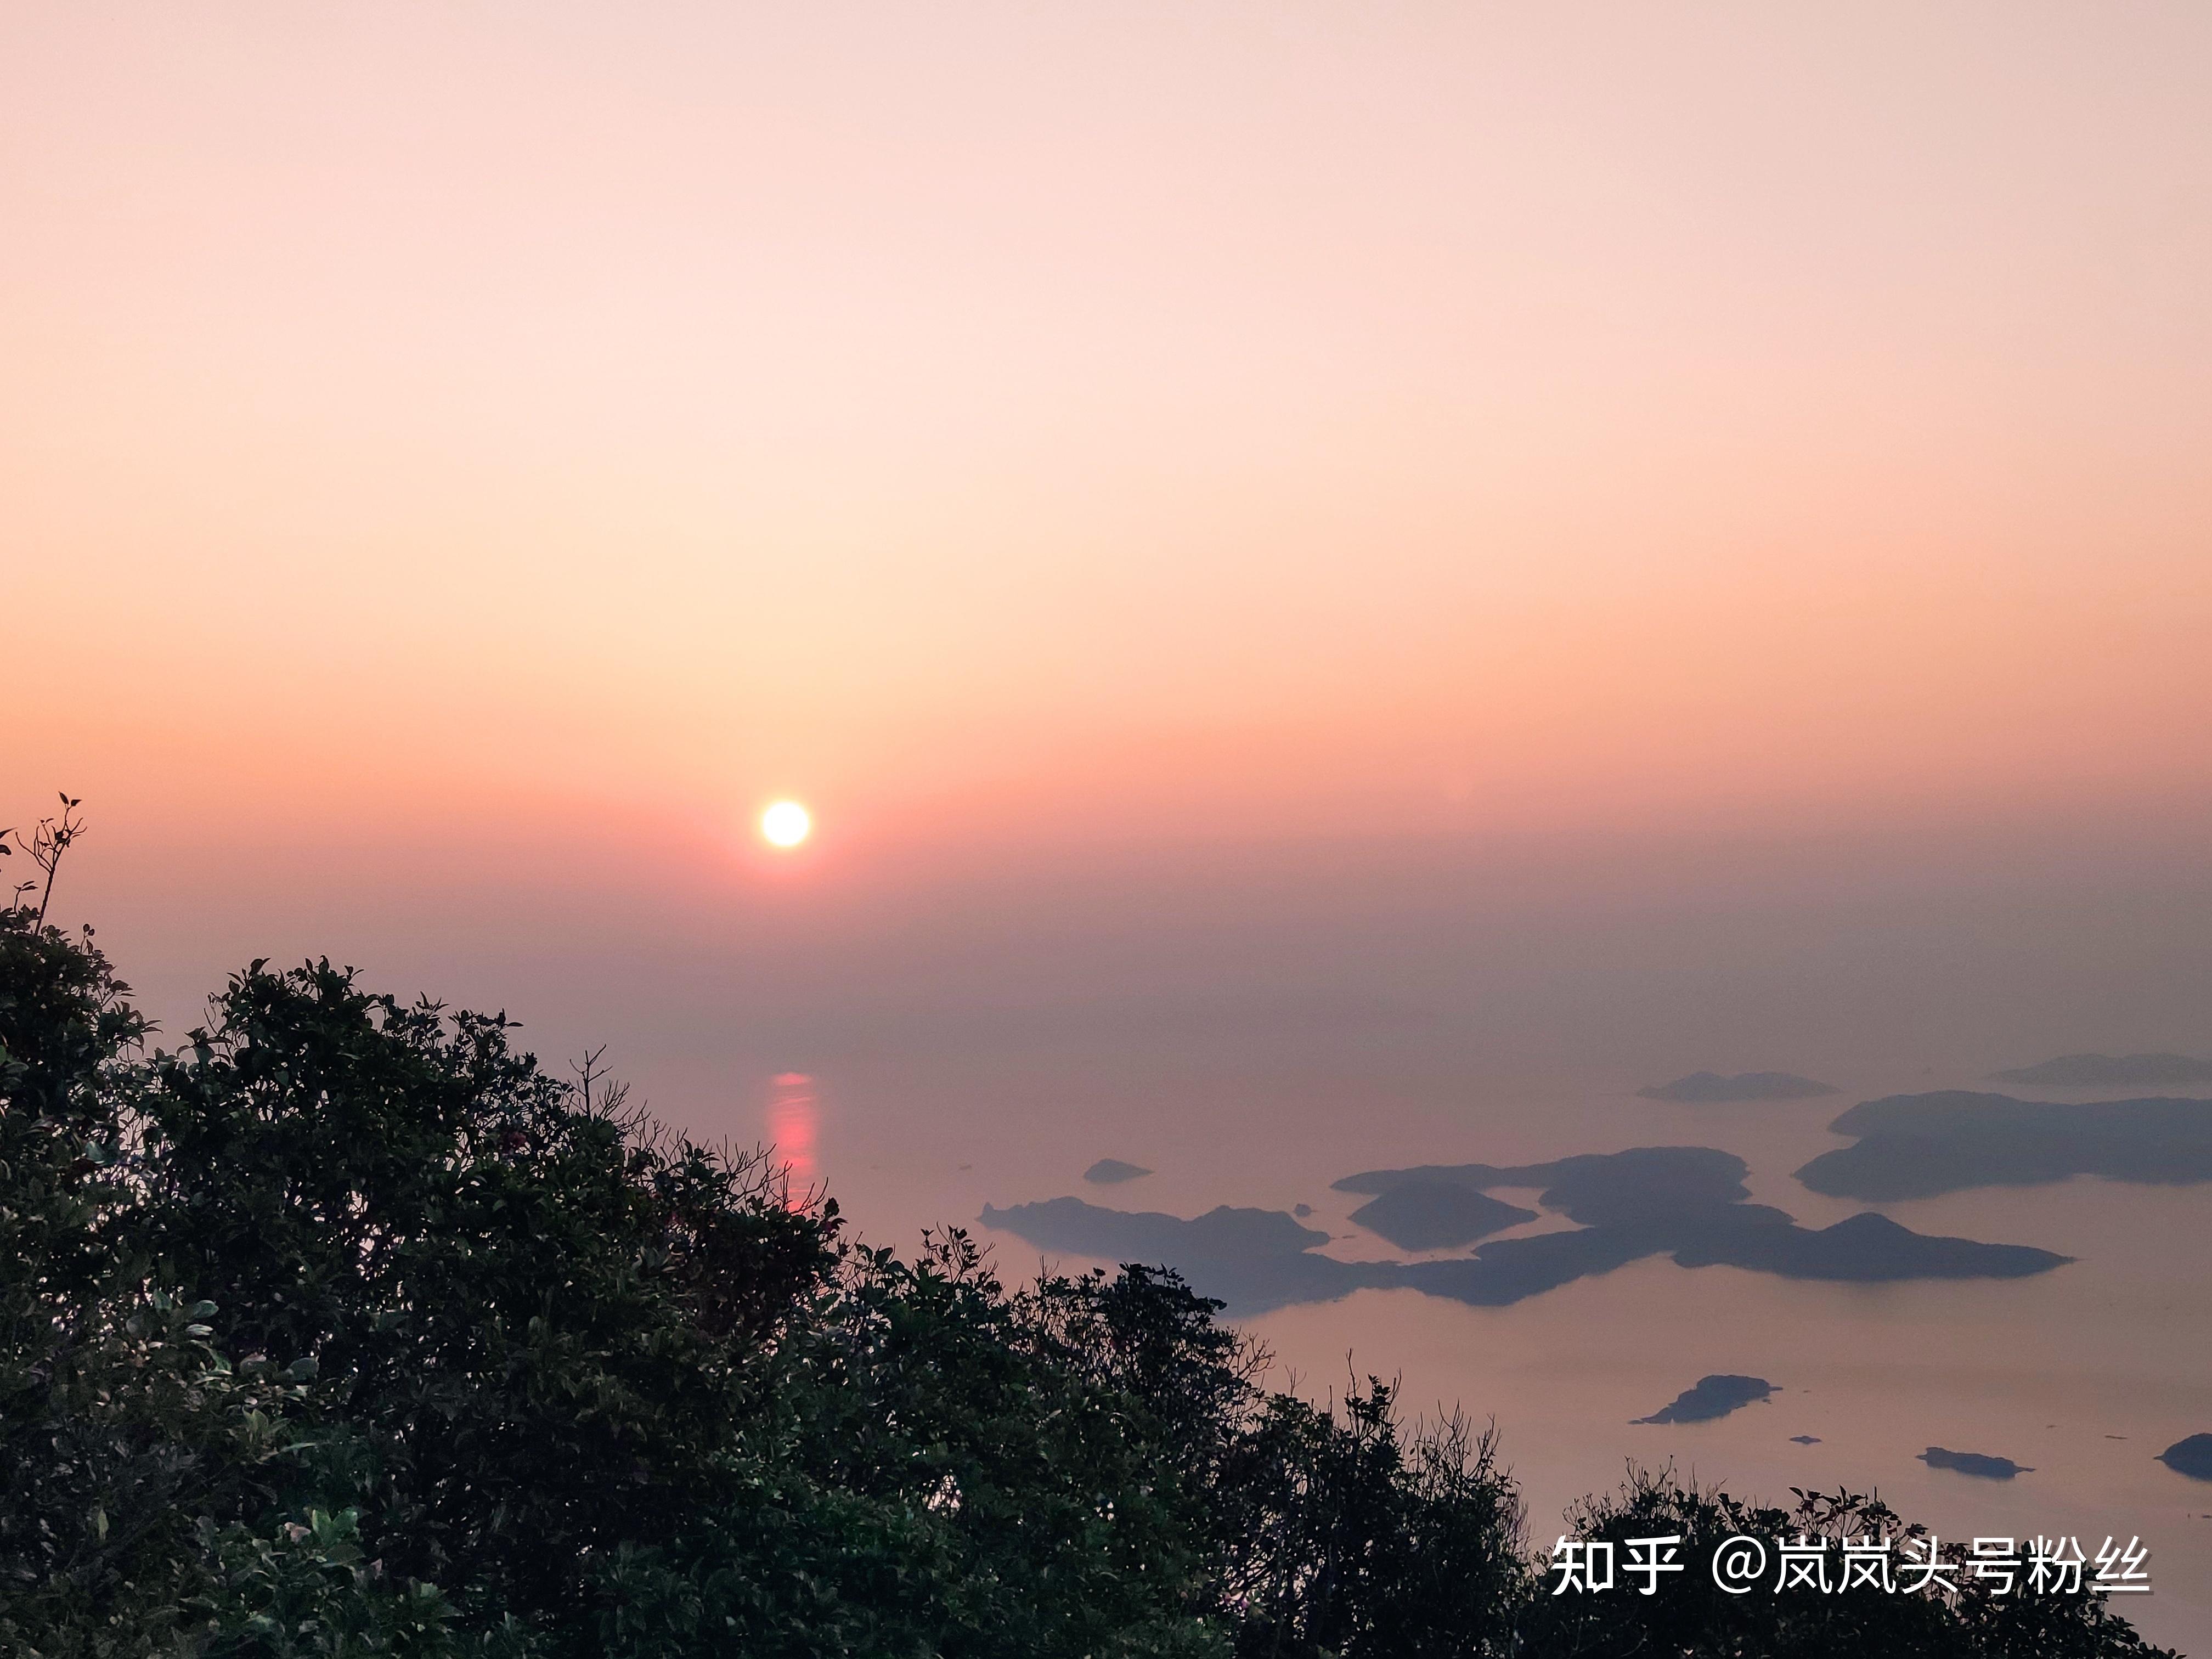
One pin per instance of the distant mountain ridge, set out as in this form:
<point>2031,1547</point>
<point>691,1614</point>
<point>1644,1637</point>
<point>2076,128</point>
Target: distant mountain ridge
<point>2110,1071</point>
<point>1921,1145</point>
<point>1711,1088</point>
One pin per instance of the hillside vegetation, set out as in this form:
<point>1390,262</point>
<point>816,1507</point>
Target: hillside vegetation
<point>342,1328</point>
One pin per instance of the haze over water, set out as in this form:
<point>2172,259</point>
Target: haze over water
<point>1345,590</point>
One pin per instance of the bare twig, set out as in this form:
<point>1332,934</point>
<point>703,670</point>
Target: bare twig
<point>589,1070</point>
<point>46,845</point>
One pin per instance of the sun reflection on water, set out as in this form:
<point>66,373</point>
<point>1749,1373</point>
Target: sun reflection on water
<point>794,1123</point>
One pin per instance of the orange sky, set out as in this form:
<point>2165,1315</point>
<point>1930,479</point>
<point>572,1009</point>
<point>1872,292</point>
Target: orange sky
<point>1348,584</point>
<point>1006,426</point>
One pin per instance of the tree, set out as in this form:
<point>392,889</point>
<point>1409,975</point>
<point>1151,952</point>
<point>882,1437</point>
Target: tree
<point>346,1329</point>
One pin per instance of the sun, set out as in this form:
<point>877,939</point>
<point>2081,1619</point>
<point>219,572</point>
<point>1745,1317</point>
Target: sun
<point>785,823</point>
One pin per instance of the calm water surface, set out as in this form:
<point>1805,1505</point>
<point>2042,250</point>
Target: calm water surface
<point>2082,1374</point>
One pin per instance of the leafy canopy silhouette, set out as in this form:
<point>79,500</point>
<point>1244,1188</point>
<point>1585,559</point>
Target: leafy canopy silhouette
<point>346,1329</point>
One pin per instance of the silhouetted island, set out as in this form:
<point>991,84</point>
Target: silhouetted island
<point>729,1431</point>
<point>1437,1215</point>
<point>1973,1463</point>
<point>1711,1088</point>
<point>2111,1072</point>
<point>1919,1145</point>
<point>2191,1457</point>
<point>1590,1187</point>
<point>1252,1260</point>
<point>1711,1397</point>
<point>1107,1171</point>
<point>1682,1201</point>
<point>1804,1439</point>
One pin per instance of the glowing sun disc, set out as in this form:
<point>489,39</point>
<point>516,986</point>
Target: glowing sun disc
<point>785,823</point>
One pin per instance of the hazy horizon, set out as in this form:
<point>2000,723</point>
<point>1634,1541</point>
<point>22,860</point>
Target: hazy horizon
<point>1345,587</point>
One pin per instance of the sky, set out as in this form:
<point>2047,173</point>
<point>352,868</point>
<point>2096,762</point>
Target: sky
<point>1346,585</point>
<point>1626,531</point>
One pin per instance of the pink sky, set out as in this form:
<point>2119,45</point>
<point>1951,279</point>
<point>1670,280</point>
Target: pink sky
<point>487,430</point>
<point>1347,584</point>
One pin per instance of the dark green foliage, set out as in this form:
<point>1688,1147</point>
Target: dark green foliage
<point>1355,1539</point>
<point>345,1330</point>
<point>531,1325</point>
